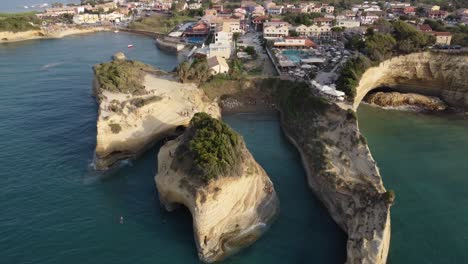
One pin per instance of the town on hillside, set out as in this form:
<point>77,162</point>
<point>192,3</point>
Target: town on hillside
<point>299,40</point>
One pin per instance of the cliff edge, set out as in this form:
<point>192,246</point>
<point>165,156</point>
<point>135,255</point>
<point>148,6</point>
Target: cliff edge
<point>429,73</point>
<point>210,171</point>
<point>340,170</point>
<point>139,105</point>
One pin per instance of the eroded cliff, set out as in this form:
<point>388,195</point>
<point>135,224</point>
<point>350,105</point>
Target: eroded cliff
<point>134,115</point>
<point>340,170</point>
<point>230,197</point>
<point>439,74</point>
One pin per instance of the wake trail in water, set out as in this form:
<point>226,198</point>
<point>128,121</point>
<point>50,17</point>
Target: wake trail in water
<point>51,65</point>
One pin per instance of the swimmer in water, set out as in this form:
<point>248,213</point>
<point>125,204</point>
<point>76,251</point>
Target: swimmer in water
<point>121,220</point>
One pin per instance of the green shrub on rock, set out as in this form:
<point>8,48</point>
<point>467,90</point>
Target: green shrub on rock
<point>210,148</point>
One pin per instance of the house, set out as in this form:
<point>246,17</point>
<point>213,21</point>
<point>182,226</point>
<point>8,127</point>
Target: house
<point>222,36</point>
<point>323,21</point>
<point>58,11</point>
<point>232,26</point>
<point>211,12</point>
<point>443,38</point>
<point>86,19</point>
<point>409,10</point>
<point>199,29</point>
<point>437,14</point>
<point>221,49</point>
<point>258,11</point>
<point>369,19</point>
<point>194,6</point>
<point>276,10</point>
<point>217,65</point>
<point>425,28</point>
<point>329,9</point>
<point>313,30</point>
<point>273,30</point>
<point>294,43</point>
<point>258,22</point>
<point>315,9</point>
<point>348,23</point>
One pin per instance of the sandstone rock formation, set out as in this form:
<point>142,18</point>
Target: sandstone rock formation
<point>129,123</point>
<point>229,211</point>
<point>439,74</point>
<point>340,170</point>
<point>396,100</point>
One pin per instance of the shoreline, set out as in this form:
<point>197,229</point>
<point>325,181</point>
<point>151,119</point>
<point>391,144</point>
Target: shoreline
<point>43,35</point>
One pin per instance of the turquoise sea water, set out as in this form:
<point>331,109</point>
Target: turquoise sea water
<point>424,159</point>
<point>56,209</point>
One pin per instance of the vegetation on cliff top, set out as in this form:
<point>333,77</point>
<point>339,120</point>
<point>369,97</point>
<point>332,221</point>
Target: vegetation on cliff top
<point>198,71</point>
<point>211,148</point>
<point>391,39</point>
<point>19,22</point>
<point>296,100</point>
<point>122,76</point>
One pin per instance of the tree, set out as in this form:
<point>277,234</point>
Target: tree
<point>380,46</point>
<point>235,37</point>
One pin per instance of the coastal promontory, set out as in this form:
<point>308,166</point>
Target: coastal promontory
<point>139,105</point>
<point>209,170</point>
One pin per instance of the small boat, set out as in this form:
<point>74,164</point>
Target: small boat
<point>116,31</point>
<point>26,7</point>
<point>130,46</point>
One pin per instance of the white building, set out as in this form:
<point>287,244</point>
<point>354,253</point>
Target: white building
<point>86,19</point>
<point>194,6</point>
<point>222,36</point>
<point>220,49</point>
<point>329,9</point>
<point>273,30</point>
<point>218,65</point>
<point>348,23</point>
<point>313,30</point>
<point>369,19</point>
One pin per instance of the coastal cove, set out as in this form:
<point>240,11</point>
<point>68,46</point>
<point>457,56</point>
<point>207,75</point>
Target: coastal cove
<point>50,123</point>
<point>52,195</point>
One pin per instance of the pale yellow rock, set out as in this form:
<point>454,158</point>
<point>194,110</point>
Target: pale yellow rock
<point>229,213</point>
<point>141,127</point>
<point>396,100</point>
<point>439,74</point>
<point>343,175</point>
<point>7,36</point>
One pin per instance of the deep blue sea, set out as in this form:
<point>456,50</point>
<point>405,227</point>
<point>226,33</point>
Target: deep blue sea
<point>56,209</point>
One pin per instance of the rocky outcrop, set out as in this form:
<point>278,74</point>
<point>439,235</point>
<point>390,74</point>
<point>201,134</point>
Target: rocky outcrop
<point>230,211</point>
<point>130,123</point>
<point>340,170</point>
<point>405,100</point>
<point>437,74</point>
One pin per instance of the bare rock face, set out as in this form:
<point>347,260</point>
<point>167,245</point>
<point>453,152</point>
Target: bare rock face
<point>340,170</point>
<point>130,122</point>
<point>230,209</point>
<point>119,56</point>
<point>437,74</point>
<point>395,99</point>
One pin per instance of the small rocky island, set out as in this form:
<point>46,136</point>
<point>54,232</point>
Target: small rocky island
<point>210,171</point>
<point>139,105</point>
